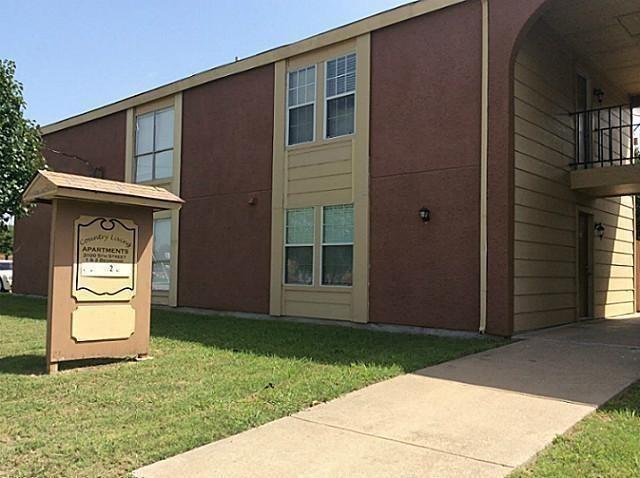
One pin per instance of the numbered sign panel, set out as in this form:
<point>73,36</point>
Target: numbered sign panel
<point>105,252</point>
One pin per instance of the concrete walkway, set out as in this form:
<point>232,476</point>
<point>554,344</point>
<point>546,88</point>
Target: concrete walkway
<point>479,416</point>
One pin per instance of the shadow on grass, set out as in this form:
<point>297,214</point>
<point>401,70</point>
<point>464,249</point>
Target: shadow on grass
<point>319,343</point>
<point>23,307</point>
<point>325,344</point>
<point>30,364</point>
<point>23,365</point>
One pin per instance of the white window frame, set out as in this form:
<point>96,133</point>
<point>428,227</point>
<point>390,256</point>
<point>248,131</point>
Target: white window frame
<point>323,244</point>
<point>314,103</point>
<point>154,152</point>
<point>327,99</point>
<point>313,251</point>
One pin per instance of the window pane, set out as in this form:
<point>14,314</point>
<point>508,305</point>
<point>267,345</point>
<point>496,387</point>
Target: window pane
<point>144,134</point>
<point>300,226</point>
<point>164,130</point>
<point>161,276</point>
<point>340,116</point>
<point>337,224</point>
<point>144,168</point>
<point>301,124</point>
<point>341,75</point>
<point>302,86</point>
<point>164,164</point>
<point>162,239</point>
<point>161,254</point>
<point>337,265</point>
<point>299,265</point>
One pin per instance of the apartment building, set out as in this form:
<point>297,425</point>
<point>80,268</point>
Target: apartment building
<point>456,164</point>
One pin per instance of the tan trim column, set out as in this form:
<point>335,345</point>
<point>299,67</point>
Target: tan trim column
<point>278,188</point>
<point>360,296</point>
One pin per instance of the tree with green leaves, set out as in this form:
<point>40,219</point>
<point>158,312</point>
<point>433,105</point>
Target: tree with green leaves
<point>20,145</point>
<point>6,242</point>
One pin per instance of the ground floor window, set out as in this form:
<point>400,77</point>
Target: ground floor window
<point>337,245</point>
<point>300,233</point>
<point>319,235</point>
<point>161,274</point>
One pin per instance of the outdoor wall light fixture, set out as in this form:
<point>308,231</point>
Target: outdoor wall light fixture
<point>425,215</point>
<point>599,228</point>
<point>599,94</point>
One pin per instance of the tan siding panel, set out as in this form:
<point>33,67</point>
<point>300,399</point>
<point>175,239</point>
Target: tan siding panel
<point>319,310</point>
<point>544,269</point>
<point>537,217</point>
<point>545,235</point>
<point>534,251</point>
<point>538,320</point>
<point>537,286</point>
<point>320,154</point>
<point>319,297</point>
<point>320,170</point>
<point>543,303</point>
<point>328,198</point>
<point>326,183</point>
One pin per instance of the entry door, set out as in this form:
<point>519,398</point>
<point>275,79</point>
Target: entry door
<point>585,266</point>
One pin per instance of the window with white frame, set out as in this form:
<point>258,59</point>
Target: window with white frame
<point>161,271</point>
<point>300,238</point>
<point>301,105</point>
<point>337,245</point>
<point>340,96</point>
<point>154,146</point>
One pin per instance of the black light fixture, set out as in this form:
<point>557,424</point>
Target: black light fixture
<point>599,94</point>
<point>599,228</point>
<point>425,215</point>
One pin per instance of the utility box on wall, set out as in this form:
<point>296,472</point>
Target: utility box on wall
<point>100,261</point>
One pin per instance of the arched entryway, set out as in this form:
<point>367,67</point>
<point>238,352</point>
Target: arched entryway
<point>547,41</point>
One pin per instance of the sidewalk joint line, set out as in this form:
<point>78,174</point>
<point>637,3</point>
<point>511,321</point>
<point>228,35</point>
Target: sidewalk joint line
<point>415,445</point>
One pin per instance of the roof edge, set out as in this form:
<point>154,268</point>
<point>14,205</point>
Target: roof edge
<point>321,40</point>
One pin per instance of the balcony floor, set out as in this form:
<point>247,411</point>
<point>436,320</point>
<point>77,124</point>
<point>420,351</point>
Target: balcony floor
<point>610,181</point>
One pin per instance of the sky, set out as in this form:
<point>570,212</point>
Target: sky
<point>73,56</point>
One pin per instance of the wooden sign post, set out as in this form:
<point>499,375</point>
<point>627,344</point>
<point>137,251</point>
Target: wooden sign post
<point>99,300</point>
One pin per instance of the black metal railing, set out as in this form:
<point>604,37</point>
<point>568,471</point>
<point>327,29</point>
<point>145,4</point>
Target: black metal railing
<point>605,137</point>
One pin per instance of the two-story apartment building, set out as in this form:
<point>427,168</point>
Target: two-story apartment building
<point>458,164</point>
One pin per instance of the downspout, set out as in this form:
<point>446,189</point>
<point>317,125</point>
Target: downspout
<point>484,159</point>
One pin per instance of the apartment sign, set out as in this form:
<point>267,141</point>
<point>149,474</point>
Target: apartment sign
<point>105,259</point>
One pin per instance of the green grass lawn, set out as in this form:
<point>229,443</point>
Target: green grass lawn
<point>211,377</point>
<point>604,445</point>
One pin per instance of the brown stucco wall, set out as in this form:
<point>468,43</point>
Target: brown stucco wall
<point>225,242</point>
<point>102,143</point>
<point>425,151</point>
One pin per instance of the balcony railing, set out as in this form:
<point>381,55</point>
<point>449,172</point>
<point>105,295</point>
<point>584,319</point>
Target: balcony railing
<point>604,137</point>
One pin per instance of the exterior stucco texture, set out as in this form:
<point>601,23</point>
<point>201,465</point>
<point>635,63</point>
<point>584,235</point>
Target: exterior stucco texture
<point>101,144</point>
<point>225,241</point>
<point>425,152</point>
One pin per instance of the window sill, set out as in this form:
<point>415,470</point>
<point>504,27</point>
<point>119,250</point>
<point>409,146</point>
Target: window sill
<point>318,288</point>
<point>156,182</point>
<point>320,144</point>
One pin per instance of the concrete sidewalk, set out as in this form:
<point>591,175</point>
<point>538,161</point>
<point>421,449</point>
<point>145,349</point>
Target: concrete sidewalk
<point>479,416</point>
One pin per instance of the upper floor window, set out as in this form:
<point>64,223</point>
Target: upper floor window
<point>340,96</point>
<point>301,105</point>
<point>154,146</point>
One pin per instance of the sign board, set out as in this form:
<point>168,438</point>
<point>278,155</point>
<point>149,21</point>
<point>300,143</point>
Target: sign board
<point>105,251</point>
